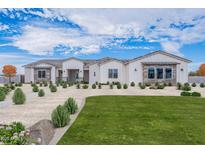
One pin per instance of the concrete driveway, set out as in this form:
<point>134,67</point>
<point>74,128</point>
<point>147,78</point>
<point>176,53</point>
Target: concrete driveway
<point>38,108</point>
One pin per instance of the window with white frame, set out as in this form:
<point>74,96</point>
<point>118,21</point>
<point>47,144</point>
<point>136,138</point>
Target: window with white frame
<point>160,73</point>
<point>42,74</point>
<point>151,73</point>
<point>168,73</point>
<point>113,73</point>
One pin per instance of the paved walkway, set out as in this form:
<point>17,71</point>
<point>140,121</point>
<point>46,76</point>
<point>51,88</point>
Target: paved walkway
<point>38,108</point>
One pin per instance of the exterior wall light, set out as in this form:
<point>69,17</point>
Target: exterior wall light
<point>135,70</point>
<point>182,69</point>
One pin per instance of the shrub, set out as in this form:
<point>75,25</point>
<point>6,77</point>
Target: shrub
<point>185,93</point>
<point>186,88</point>
<point>78,86</point>
<point>53,88</point>
<point>186,84</point>
<point>169,84</point>
<point>12,87</point>
<point>71,105</point>
<point>65,85</point>
<point>14,134</point>
<point>33,84</point>
<point>156,84</point>
<point>19,97</point>
<point>99,85</point>
<point>111,86</point>
<point>119,86</point>
<point>202,85</point>
<point>85,86</point>
<point>147,84</point>
<point>94,86</point>
<point>179,86</point>
<point>41,84</point>
<point>108,82</point>
<point>6,90</point>
<point>153,87</point>
<point>196,94</point>
<point>132,84</point>
<point>160,86</point>
<point>96,83</point>
<point>142,86</point>
<point>165,84</point>
<point>139,84</point>
<point>125,86</point>
<point>60,116</point>
<point>41,93</point>
<point>193,84</point>
<point>2,95</point>
<point>35,89</point>
<point>45,84</point>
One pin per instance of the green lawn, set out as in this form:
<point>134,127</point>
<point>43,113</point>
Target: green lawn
<point>139,120</point>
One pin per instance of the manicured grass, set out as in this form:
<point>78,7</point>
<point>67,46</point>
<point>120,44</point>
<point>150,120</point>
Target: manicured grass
<point>139,120</point>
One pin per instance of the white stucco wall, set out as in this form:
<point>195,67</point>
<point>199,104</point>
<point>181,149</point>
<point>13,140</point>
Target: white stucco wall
<point>137,76</point>
<point>73,64</point>
<point>29,75</point>
<point>112,65</point>
<point>94,68</point>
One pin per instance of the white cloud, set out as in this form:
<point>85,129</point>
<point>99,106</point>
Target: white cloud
<point>100,26</point>
<point>3,27</point>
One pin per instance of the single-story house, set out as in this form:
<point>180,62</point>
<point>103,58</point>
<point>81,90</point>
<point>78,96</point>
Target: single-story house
<point>158,66</point>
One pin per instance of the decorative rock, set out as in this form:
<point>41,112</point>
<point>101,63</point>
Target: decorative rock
<point>42,132</point>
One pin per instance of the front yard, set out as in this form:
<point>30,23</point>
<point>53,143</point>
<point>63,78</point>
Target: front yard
<point>139,120</point>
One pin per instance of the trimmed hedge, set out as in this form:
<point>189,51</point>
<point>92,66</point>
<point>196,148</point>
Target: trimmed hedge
<point>99,86</point>
<point>186,87</point>
<point>160,86</point>
<point>78,86</point>
<point>119,86</point>
<point>179,86</point>
<point>185,93</point>
<point>196,94</point>
<point>65,85</point>
<point>19,97</point>
<point>60,116</point>
<point>142,86</point>
<point>111,86</point>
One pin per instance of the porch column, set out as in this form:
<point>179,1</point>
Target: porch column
<point>81,74</point>
<point>53,74</point>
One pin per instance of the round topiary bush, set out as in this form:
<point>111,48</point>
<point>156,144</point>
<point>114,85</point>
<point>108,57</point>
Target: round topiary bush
<point>35,89</point>
<point>78,86</point>
<point>193,84</point>
<point>93,86</point>
<point>99,86</point>
<point>2,95</point>
<point>132,84</point>
<point>142,86</point>
<point>186,88</point>
<point>186,84</point>
<point>53,88</point>
<point>60,116</point>
<point>41,93</point>
<point>19,97</point>
<point>12,87</point>
<point>165,84</point>
<point>185,93</point>
<point>41,84</point>
<point>71,105</point>
<point>65,85</point>
<point>125,86</point>
<point>202,85</point>
<point>160,86</point>
<point>196,94</point>
<point>179,86</point>
<point>169,84</point>
<point>111,86</point>
<point>85,86</point>
<point>119,86</point>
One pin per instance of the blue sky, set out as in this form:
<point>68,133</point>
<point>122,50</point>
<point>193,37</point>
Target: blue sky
<point>27,35</point>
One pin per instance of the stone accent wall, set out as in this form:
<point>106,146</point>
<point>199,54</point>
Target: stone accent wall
<point>145,73</point>
<point>48,74</point>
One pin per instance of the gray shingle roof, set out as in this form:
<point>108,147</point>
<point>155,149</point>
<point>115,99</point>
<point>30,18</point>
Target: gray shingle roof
<point>87,62</point>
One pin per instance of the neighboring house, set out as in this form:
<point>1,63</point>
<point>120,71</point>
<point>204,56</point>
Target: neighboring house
<point>158,66</point>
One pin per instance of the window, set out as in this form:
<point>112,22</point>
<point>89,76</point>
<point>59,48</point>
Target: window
<point>94,74</point>
<point>151,73</point>
<point>113,73</point>
<point>159,73</point>
<point>41,74</point>
<point>168,73</point>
